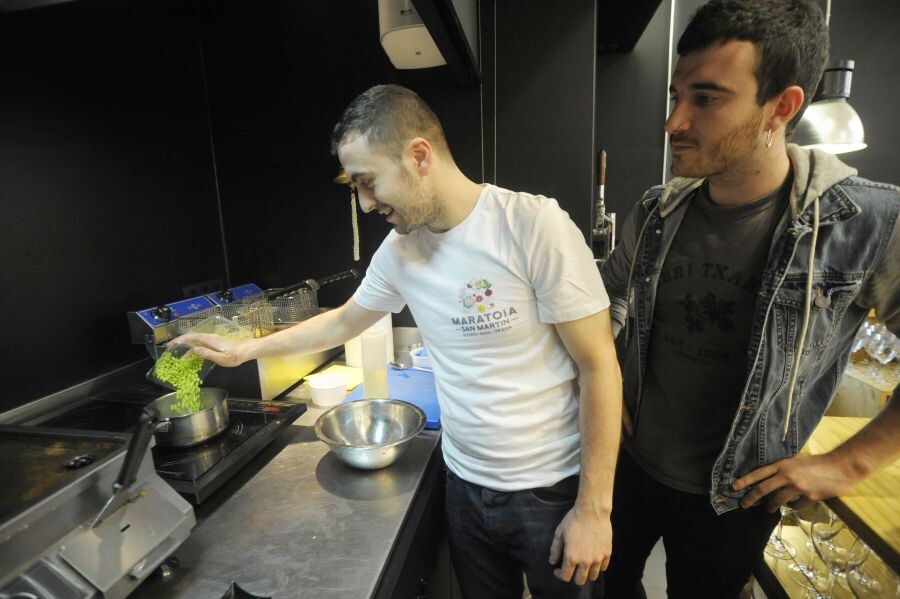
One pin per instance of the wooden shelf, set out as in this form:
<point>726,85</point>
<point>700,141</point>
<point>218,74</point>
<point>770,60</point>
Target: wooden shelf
<point>871,510</point>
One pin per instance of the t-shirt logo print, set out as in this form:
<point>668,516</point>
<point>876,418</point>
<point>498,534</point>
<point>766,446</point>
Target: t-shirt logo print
<point>476,296</point>
<point>707,312</point>
<point>481,315</point>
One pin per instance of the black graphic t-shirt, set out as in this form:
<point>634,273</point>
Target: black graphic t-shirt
<point>697,357</point>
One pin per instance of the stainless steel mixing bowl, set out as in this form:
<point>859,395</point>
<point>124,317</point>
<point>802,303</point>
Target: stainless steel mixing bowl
<point>370,433</point>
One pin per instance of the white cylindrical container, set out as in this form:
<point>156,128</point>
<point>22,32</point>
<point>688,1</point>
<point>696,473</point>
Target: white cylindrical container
<point>353,348</point>
<point>374,362</point>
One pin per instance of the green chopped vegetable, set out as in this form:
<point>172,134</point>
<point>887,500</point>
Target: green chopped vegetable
<point>183,374</point>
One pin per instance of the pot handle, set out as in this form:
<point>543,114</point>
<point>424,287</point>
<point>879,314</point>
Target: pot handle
<point>163,426</point>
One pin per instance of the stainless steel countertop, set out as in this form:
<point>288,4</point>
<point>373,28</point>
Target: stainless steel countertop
<point>296,522</point>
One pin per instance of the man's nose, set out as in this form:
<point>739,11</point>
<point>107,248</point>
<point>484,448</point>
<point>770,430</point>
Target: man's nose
<point>366,200</point>
<point>678,120</point>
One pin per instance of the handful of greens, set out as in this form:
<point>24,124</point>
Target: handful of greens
<point>182,373</point>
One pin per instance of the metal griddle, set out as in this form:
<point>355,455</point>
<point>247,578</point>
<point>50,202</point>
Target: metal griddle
<point>52,544</point>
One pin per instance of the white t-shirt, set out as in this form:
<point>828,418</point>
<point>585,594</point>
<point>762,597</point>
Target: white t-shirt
<point>485,295</point>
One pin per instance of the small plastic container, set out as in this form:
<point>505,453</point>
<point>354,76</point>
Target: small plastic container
<point>178,351</point>
<point>216,325</point>
<point>328,389</point>
<point>420,357</point>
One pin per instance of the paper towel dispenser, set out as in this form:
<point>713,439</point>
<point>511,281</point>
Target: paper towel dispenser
<point>404,36</point>
<point>452,26</point>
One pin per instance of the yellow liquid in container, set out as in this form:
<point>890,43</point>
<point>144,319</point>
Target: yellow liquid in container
<point>375,383</point>
<point>278,373</point>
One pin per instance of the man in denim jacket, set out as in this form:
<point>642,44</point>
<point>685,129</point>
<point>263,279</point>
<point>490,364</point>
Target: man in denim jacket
<point>736,292</point>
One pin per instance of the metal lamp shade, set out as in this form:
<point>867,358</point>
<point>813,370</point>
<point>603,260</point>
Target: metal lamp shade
<point>830,125</point>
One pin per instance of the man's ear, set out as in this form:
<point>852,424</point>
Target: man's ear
<point>786,105</point>
<point>420,153</point>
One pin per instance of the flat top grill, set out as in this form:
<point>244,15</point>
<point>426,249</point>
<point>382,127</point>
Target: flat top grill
<point>33,465</point>
<point>58,538</point>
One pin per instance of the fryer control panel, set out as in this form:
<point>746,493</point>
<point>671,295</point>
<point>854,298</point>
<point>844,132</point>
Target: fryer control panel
<point>154,317</point>
<point>235,294</point>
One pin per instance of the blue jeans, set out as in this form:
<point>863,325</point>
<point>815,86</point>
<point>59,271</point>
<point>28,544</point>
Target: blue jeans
<point>494,536</point>
<point>707,555</point>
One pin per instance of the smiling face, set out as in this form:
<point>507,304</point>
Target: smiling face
<point>389,187</point>
<point>716,126</point>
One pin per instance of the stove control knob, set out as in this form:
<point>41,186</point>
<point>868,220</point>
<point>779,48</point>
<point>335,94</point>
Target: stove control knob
<point>162,313</point>
<point>227,296</point>
<point>79,462</point>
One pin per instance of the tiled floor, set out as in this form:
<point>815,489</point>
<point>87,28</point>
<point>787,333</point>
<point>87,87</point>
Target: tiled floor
<point>655,573</point>
<point>655,577</point>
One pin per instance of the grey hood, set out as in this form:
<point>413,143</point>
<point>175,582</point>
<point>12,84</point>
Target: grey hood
<point>814,172</point>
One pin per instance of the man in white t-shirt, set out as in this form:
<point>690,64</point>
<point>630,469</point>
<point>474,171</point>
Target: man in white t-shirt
<point>512,309</point>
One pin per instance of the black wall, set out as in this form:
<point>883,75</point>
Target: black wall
<point>869,33</point>
<point>106,194</point>
<point>632,97</point>
<point>280,75</point>
<point>136,134</point>
<point>544,88</point>
<point>108,198</point>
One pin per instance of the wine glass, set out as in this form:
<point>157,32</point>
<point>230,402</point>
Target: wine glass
<point>800,571</point>
<point>844,551</point>
<point>817,575</point>
<point>837,544</point>
<point>871,578</point>
<point>881,345</point>
<point>862,336</point>
<point>818,580</point>
<point>777,547</point>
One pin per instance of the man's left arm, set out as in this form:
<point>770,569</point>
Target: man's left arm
<point>803,480</point>
<point>584,537</point>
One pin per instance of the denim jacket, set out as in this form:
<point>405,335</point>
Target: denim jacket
<point>856,268</point>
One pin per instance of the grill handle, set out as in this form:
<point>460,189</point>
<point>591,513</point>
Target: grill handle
<point>140,440</point>
<point>137,449</point>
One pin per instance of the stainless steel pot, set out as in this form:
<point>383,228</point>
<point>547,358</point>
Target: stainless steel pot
<point>176,429</point>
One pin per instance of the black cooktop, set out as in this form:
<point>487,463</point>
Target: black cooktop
<point>196,471</point>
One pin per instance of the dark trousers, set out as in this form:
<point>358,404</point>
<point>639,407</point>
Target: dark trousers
<point>707,555</point>
<point>494,536</point>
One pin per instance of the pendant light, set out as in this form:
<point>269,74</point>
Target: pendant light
<point>830,123</point>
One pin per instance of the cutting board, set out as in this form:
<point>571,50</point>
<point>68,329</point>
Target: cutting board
<point>414,386</point>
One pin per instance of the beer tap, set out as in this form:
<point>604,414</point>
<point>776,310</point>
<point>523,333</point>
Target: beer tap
<point>603,234</point>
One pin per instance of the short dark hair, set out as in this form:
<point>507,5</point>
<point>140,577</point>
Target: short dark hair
<point>791,37</point>
<point>389,116</point>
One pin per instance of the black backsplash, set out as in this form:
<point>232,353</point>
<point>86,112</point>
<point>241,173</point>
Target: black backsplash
<point>108,197</point>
